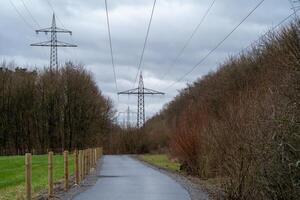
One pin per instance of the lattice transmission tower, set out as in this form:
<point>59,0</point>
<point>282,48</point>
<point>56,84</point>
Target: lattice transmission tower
<point>53,43</point>
<point>126,118</point>
<point>141,91</point>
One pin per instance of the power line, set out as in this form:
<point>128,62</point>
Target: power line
<point>20,15</point>
<point>110,44</point>
<point>30,14</point>
<point>218,45</point>
<point>271,30</point>
<point>189,39</point>
<point>145,42</point>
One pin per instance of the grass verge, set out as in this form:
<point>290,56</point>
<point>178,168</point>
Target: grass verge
<point>162,161</point>
<point>12,172</point>
<point>212,186</point>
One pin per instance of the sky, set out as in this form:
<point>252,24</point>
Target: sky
<point>172,24</point>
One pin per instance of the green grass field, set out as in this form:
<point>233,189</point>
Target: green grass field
<point>162,161</point>
<point>12,172</point>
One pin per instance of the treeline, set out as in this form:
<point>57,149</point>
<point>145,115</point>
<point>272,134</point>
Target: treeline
<point>128,141</point>
<point>51,110</point>
<point>241,124</point>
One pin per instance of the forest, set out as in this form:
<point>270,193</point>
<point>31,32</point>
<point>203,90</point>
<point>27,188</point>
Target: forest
<point>241,123</point>
<point>51,109</point>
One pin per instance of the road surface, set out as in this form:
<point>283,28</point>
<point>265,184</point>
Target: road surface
<point>123,178</point>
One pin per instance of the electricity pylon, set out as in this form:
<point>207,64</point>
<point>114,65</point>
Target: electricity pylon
<point>53,43</point>
<point>141,91</point>
<point>126,117</point>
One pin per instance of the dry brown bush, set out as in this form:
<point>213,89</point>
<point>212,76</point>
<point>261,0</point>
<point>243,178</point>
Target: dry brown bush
<point>242,122</point>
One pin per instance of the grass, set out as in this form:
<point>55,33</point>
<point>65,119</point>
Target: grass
<point>12,172</point>
<point>162,161</point>
<point>212,185</point>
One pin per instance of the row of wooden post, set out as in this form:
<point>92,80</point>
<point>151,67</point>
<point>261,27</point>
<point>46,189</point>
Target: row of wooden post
<point>84,162</point>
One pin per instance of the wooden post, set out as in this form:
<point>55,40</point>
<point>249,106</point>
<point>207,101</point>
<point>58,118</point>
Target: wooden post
<point>95,156</point>
<point>76,160</point>
<point>85,162</point>
<point>96,153</point>
<point>28,176</point>
<point>66,170</point>
<point>80,165</point>
<point>50,174</point>
<point>90,159</point>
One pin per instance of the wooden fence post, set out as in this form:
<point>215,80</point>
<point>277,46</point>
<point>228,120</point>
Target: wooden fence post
<point>50,174</point>
<point>92,158</point>
<point>66,170</point>
<point>80,165</point>
<point>85,162</point>
<point>82,168</point>
<point>76,167</point>
<point>88,161</point>
<point>96,153</point>
<point>28,175</point>
<point>95,156</point>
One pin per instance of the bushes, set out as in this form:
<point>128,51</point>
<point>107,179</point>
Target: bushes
<point>242,121</point>
<point>128,141</point>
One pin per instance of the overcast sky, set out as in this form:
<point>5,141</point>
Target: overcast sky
<point>173,22</point>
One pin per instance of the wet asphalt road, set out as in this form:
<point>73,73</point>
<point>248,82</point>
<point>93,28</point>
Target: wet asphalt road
<point>123,178</point>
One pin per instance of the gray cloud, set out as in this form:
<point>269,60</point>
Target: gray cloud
<point>173,22</point>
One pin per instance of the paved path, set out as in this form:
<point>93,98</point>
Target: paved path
<point>123,178</point>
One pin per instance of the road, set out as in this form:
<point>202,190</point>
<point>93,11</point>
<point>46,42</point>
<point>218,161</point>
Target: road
<point>123,178</point>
